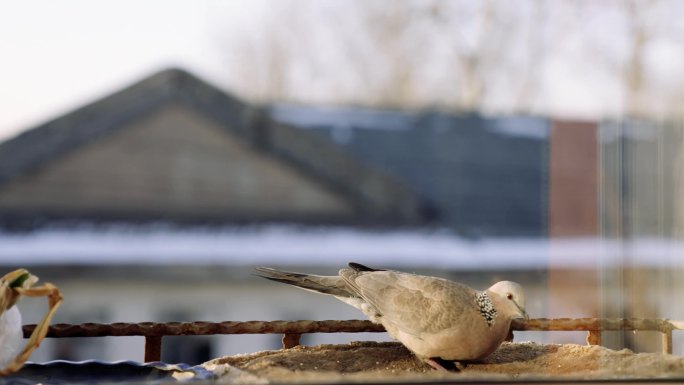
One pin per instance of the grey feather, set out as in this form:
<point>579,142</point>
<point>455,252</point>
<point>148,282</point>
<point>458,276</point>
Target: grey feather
<point>331,285</point>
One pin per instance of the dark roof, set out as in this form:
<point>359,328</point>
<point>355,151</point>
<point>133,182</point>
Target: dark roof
<point>481,175</point>
<point>377,196</point>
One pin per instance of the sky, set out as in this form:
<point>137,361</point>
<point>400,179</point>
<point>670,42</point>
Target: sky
<point>59,55</point>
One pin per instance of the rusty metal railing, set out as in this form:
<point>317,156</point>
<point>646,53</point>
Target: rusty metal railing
<point>292,330</point>
<point>594,327</point>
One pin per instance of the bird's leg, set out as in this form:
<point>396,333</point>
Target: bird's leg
<point>436,365</point>
<point>444,365</point>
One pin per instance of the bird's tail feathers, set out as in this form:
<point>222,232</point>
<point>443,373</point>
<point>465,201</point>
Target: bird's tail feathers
<point>359,267</point>
<point>332,285</point>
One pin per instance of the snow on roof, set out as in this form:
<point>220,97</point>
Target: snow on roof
<point>401,120</point>
<point>296,245</point>
<point>363,118</point>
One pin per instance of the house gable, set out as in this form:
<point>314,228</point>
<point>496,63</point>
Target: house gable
<point>174,147</point>
<point>174,162</point>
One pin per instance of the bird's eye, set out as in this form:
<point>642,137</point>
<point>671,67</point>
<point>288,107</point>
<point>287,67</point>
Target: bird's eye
<point>509,296</point>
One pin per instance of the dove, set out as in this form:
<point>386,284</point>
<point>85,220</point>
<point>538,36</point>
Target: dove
<point>437,319</point>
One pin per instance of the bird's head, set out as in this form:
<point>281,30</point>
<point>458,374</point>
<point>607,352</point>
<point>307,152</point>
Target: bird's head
<point>512,293</point>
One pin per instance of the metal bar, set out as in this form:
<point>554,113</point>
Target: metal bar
<point>667,342</point>
<point>290,340</point>
<point>330,326</point>
<point>594,337</point>
<point>206,328</point>
<point>587,324</point>
<point>292,330</point>
<point>153,347</point>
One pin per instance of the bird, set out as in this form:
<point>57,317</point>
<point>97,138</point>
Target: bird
<point>443,322</point>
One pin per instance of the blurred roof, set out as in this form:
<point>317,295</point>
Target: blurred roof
<point>375,196</point>
<point>483,175</point>
<point>478,175</point>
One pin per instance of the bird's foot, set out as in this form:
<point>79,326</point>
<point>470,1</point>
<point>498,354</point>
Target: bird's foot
<point>444,365</point>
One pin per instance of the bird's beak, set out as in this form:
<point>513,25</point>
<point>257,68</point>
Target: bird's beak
<point>522,311</point>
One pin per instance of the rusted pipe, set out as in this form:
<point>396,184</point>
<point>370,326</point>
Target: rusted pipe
<point>207,328</point>
<point>594,337</point>
<point>594,326</point>
<point>587,324</point>
<point>667,342</point>
<point>292,330</point>
<point>329,326</point>
<point>153,347</point>
<point>290,340</point>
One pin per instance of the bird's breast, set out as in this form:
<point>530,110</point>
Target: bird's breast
<point>459,342</point>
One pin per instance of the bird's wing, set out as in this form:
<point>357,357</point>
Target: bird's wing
<point>413,303</point>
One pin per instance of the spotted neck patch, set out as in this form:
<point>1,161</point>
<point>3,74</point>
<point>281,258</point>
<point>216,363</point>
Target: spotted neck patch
<point>486,307</point>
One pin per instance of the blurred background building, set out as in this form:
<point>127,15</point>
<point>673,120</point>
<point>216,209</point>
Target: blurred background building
<point>539,142</point>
